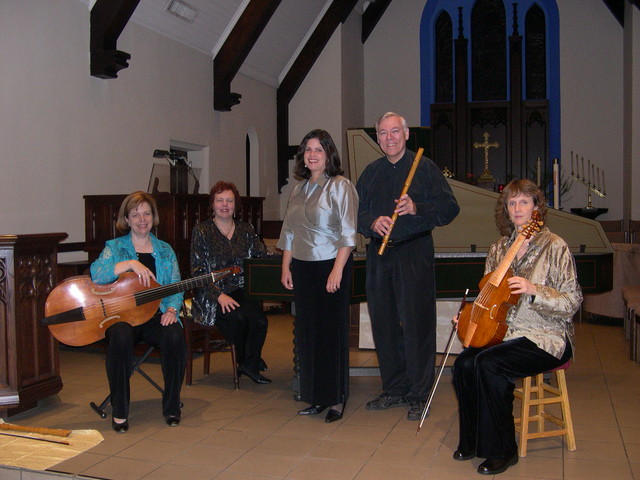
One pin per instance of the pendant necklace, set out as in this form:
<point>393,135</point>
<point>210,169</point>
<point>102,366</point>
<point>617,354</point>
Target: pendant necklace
<point>226,234</point>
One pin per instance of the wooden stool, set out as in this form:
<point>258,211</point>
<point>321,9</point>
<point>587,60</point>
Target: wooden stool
<point>557,395</point>
<point>631,299</point>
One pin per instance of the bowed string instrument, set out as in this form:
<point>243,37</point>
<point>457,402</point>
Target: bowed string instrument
<point>79,311</point>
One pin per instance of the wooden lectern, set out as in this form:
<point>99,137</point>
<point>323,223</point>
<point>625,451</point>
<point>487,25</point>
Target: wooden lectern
<point>29,366</point>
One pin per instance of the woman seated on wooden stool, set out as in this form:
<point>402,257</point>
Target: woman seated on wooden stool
<point>539,337</point>
<point>151,259</point>
<point>220,243</point>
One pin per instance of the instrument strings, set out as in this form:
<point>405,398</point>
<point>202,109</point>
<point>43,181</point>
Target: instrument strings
<point>115,306</point>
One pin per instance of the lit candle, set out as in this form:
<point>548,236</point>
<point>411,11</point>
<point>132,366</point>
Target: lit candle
<point>556,184</point>
<point>539,171</point>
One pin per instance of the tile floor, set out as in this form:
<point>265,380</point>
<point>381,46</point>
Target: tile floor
<point>255,433</point>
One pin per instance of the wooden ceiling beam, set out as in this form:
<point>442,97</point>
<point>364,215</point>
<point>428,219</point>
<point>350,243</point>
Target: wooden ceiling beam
<point>236,48</point>
<point>371,16</point>
<point>336,14</point>
<point>108,19</point>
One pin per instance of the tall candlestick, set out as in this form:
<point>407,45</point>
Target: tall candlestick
<point>556,184</point>
<point>539,172</point>
<point>572,163</point>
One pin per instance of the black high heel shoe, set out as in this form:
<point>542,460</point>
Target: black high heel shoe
<point>256,377</point>
<point>120,427</point>
<point>312,410</point>
<point>334,415</point>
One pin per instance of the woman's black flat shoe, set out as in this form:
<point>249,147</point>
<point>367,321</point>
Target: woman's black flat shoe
<point>172,420</point>
<point>120,427</point>
<point>256,377</point>
<point>312,410</point>
<point>333,415</point>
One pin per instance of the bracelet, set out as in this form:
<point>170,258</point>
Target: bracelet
<point>173,310</point>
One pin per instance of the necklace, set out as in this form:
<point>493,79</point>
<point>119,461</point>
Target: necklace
<point>226,234</point>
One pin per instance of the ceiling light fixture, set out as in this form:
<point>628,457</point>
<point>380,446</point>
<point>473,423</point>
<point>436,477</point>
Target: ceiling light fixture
<point>182,10</point>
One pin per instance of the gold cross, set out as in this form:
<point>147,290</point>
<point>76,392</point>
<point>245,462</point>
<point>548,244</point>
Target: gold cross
<point>486,175</point>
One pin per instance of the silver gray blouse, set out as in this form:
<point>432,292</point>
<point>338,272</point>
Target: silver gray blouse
<point>321,218</point>
<point>546,318</point>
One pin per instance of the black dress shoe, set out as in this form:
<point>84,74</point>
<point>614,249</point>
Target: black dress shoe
<point>172,420</point>
<point>312,410</point>
<point>494,466</point>
<point>256,377</point>
<point>461,455</point>
<point>120,427</point>
<point>333,415</point>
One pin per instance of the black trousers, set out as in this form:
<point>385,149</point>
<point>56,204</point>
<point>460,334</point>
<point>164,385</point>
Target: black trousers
<point>322,331</point>
<point>484,384</point>
<point>122,338</point>
<point>401,296</point>
<point>245,327</point>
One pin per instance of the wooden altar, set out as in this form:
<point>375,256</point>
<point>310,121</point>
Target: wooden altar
<point>29,366</point>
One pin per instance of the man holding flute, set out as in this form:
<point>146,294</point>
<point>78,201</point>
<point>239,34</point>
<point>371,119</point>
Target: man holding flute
<point>400,283</point>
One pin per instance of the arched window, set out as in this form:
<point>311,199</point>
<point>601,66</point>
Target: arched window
<point>535,47</point>
<point>488,51</point>
<point>491,66</point>
<point>444,58</point>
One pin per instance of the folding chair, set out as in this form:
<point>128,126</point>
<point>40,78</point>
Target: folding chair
<point>99,409</point>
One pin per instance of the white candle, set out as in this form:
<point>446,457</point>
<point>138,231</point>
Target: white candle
<point>604,188</point>
<point>556,184</point>
<point>589,171</point>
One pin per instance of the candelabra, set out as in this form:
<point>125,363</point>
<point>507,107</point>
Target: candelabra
<point>591,179</point>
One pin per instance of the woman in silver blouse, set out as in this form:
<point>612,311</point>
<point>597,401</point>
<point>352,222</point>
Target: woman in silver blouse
<point>317,237</point>
<point>539,338</point>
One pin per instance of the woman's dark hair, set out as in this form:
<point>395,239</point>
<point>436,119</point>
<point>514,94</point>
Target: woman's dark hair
<point>513,189</point>
<point>333,166</point>
<point>223,187</point>
<point>131,202</point>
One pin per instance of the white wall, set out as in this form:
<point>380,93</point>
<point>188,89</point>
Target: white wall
<point>65,134</point>
<point>257,112</point>
<point>591,94</point>
<point>392,64</point>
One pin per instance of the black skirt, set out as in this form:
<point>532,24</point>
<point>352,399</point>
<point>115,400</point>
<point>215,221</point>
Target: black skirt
<point>322,331</point>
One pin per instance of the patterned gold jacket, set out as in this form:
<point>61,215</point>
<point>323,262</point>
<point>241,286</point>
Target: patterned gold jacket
<point>546,318</point>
